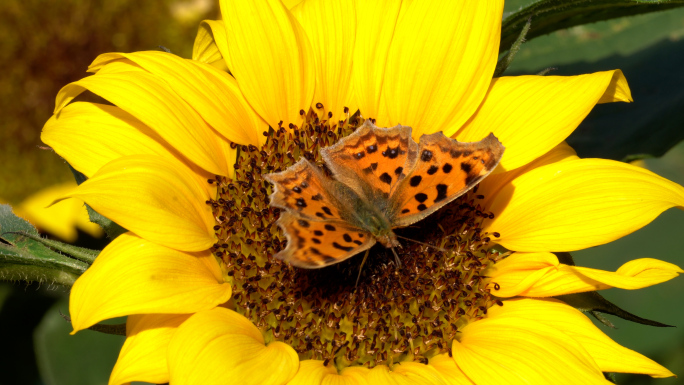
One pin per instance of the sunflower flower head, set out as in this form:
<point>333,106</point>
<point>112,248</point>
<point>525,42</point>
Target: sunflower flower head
<point>179,159</point>
<point>393,315</point>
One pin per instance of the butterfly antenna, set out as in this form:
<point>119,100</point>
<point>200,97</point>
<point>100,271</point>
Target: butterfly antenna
<point>361,267</point>
<point>396,258</point>
<point>424,244</point>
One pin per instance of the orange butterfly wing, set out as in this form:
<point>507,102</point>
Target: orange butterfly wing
<point>313,245</point>
<point>373,161</point>
<point>445,169</point>
<point>317,232</point>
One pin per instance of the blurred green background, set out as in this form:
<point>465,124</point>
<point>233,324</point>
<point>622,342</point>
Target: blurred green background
<point>45,45</point>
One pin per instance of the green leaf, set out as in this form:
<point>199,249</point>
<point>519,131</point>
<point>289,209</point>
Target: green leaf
<point>553,15</point>
<point>23,258</point>
<point>592,302</point>
<point>81,253</point>
<point>111,228</point>
<point>28,273</point>
<point>648,48</point>
<point>86,358</point>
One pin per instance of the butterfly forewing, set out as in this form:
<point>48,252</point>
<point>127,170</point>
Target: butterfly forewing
<point>373,161</point>
<point>301,189</point>
<point>445,169</point>
<point>313,245</point>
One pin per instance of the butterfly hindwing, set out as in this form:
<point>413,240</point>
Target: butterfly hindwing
<point>373,161</point>
<point>313,244</point>
<point>301,190</point>
<point>445,169</point>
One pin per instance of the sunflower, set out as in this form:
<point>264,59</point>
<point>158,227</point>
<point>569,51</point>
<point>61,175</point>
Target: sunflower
<point>178,158</point>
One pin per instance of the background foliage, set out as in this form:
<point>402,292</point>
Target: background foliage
<point>45,45</point>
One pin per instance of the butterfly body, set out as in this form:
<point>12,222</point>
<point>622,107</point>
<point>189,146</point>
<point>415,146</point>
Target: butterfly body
<point>382,180</point>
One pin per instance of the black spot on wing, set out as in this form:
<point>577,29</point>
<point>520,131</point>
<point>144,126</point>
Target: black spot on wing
<point>398,171</point>
<point>404,211</point>
<point>420,197</point>
<point>415,180</point>
<point>301,202</point>
<point>447,168</point>
<point>421,207</point>
<point>466,167</point>
<point>386,178</point>
<point>441,192</point>
<point>330,227</point>
<point>391,153</point>
<point>358,242</point>
<point>326,210</point>
<point>347,237</point>
<point>432,170</point>
<point>372,148</point>
<point>304,184</point>
<point>320,215</point>
<point>316,241</point>
<point>318,233</point>
<point>303,223</point>
<point>317,197</point>
<point>297,189</point>
<point>340,247</point>
<point>359,155</point>
<point>426,155</point>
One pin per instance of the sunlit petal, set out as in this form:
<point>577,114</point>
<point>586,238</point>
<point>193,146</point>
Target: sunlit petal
<point>143,355</point>
<point>378,19</point>
<point>440,63</point>
<point>271,58</point>
<point>150,100</point>
<point>135,276</point>
<point>578,204</point>
<point>541,275</point>
<point>330,27</point>
<point>405,373</point>
<point>532,114</point>
<point>516,351</point>
<point>162,202</point>
<point>608,355</point>
<point>229,347</point>
<point>214,94</point>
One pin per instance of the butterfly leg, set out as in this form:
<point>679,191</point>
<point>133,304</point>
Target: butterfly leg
<point>397,262</point>
<point>361,267</point>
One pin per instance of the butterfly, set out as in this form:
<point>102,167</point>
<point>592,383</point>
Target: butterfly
<point>381,180</point>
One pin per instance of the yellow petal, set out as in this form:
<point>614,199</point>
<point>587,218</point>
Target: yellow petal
<point>210,43</point>
<point>499,179</point>
<point>143,355</point>
<point>150,100</point>
<point>541,275</point>
<point>522,351</point>
<point>376,21</point>
<point>219,345</point>
<point>441,62</point>
<point>153,197</point>
<point>532,114</point>
<point>271,58</point>
<point>312,372</point>
<point>447,368</point>
<point>135,276</point>
<point>405,373</point>
<point>61,219</point>
<point>330,28</point>
<point>214,94</point>
<point>610,356</point>
<point>576,204</point>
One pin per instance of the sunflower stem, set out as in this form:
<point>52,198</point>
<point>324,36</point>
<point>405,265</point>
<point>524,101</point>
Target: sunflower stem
<point>507,59</point>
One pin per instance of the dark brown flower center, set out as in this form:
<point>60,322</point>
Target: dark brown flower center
<point>410,313</point>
